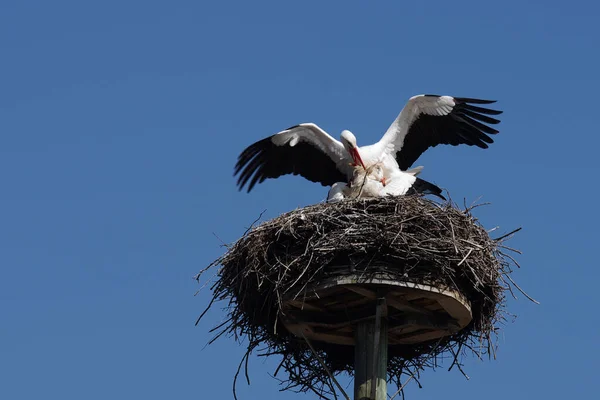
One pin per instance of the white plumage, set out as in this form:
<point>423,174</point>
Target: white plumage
<point>373,182</point>
<point>309,151</point>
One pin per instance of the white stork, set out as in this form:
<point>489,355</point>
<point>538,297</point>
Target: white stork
<point>372,182</point>
<point>425,121</point>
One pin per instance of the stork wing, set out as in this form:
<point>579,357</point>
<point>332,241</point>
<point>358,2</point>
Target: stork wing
<point>429,120</point>
<point>304,149</point>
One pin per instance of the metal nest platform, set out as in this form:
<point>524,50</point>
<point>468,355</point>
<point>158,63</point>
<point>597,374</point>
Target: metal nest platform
<point>420,279</point>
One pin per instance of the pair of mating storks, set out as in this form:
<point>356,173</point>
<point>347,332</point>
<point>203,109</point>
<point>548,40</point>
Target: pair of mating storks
<point>425,121</point>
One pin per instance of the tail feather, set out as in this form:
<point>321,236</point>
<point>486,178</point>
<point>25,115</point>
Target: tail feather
<point>415,171</point>
<point>422,186</point>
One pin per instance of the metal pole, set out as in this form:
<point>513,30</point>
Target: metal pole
<point>370,356</point>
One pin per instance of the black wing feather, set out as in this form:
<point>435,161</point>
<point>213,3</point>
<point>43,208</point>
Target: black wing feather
<point>465,124</point>
<point>264,159</point>
<point>481,110</point>
<point>480,117</point>
<point>421,186</point>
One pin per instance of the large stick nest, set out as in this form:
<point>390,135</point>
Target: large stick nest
<point>410,237</point>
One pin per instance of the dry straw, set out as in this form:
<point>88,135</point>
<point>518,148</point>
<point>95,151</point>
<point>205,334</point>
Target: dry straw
<point>411,238</point>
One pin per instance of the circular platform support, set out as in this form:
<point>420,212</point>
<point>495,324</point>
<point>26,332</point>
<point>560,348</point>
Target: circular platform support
<point>418,312</point>
<point>371,313</point>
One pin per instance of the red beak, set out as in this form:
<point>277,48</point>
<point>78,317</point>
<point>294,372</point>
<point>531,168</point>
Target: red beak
<point>356,158</point>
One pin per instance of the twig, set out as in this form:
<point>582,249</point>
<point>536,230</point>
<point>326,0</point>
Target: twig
<point>254,222</point>
<point>325,367</point>
<point>508,234</point>
<point>415,370</point>
<point>521,290</point>
<point>237,373</point>
<point>464,258</point>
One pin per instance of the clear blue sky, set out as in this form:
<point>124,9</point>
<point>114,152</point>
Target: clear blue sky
<point>115,115</point>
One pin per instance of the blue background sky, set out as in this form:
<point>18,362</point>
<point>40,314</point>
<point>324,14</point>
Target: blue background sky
<point>115,115</point>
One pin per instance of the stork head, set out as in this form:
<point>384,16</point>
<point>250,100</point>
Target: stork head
<point>376,173</point>
<point>349,142</point>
